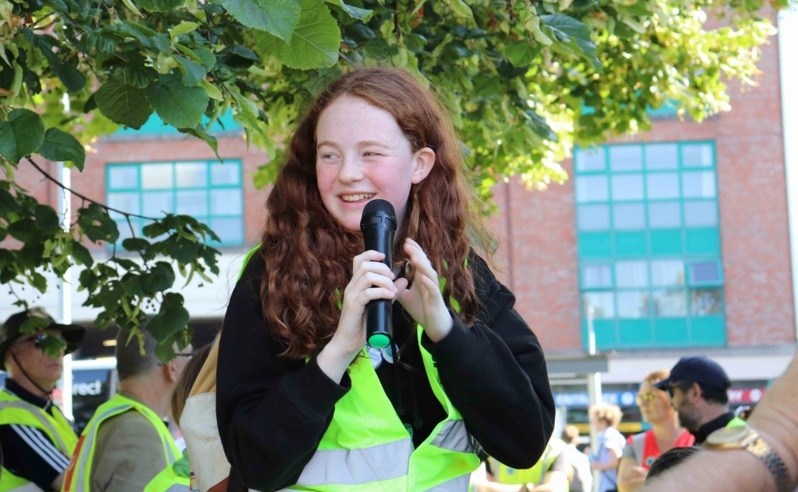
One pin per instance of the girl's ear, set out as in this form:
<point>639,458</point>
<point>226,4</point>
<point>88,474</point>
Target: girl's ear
<point>424,160</point>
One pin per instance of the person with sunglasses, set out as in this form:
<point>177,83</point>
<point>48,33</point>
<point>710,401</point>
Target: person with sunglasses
<point>665,433</point>
<point>698,389</point>
<point>41,438</point>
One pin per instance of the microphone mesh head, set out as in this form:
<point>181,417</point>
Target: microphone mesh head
<point>374,207</point>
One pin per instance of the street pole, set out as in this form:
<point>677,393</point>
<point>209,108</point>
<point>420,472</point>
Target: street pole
<point>593,383</point>
<point>65,301</point>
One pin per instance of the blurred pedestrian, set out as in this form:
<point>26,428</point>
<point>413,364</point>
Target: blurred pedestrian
<point>580,476</point>
<point>31,425</point>
<point>126,444</point>
<point>665,433</point>
<point>604,418</point>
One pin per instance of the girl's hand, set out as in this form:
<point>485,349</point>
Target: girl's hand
<point>371,279</point>
<point>423,299</point>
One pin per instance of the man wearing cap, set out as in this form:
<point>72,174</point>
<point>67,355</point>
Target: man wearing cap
<point>41,438</point>
<point>698,388</point>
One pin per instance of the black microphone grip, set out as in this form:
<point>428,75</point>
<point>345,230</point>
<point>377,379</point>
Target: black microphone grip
<point>378,224</point>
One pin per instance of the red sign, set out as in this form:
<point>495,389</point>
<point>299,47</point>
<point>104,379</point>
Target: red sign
<point>745,395</point>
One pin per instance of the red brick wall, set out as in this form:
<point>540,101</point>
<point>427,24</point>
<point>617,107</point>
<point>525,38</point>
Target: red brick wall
<point>753,223</point>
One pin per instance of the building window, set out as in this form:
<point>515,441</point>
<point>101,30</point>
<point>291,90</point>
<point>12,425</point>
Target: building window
<point>649,244</point>
<point>209,191</point>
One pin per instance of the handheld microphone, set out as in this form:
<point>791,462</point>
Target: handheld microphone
<point>378,225</point>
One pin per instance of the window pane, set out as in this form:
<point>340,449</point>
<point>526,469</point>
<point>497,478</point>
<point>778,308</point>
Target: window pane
<point>194,203</point>
<point>631,274</point>
<point>697,155</point>
<point>700,214</point>
<point>590,159</point>
<point>664,215</point>
<point>705,302</point>
<point>669,303</point>
<point>662,185</point>
<point>156,203</point>
<point>667,273</point>
<point>120,177</point>
<point>633,304</point>
<point>592,217</point>
<point>591,189</point>
<point>698,185</point>
<point>191,174</point>
<point>226,202</point>
<point>229,229</point>
<point>602,302</point>
<point>596,276</point>
<point>225,174</point>
<point>626,157</point>
<point>627,187</point>
<point>662,156</point>
<point>127,230</point>
<point>704,271</point>
<point>125,202</point>
<point>156,176</point>
<point>628,216</point>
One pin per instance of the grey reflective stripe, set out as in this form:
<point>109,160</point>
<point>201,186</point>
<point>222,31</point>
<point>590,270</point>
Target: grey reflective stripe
<point>457,484</point>
<point>357,466</point>
<point>37,412</point>
<point>454,437</point>
<point>638,446</point>
<point>178,488</point>
<point>82,459</point>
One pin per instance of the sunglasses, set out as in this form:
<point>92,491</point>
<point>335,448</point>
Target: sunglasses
<point>682,385</point>
<point>38,340</point>
<point>646,397</point>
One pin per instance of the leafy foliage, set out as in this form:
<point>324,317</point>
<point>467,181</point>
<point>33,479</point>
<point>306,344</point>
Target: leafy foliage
<point>525,81</point>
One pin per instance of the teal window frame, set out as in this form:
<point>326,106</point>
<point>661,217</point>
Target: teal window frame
<point>621,230</point>
<point>211,190</point>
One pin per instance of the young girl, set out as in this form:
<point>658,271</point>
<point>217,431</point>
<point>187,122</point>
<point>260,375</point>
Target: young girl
<point>301,404</point>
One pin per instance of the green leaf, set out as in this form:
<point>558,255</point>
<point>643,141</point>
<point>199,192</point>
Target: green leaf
<point>159,278</point>
<point>354,12</point>
<point>192,72</point>
<point>81,254</point>
<point>171,319</point>
<point>176,104</point>
<point>23,230</point>
<point>461,9</point>
<point>182,28</point>
<point>278,17</point>
<point>96,224</point>
<point>571,31</point>
<point>123,103</point>
<point>159,5</point>
<point>521,53</point>
<point>61,146</point>
<point>70,75</point>
<point>314,44</point>
<point>20,135</point>
<point>208,138</point>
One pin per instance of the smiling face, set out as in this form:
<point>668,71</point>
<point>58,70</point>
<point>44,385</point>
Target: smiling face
<point>655,405</point>
<point>362,154</point>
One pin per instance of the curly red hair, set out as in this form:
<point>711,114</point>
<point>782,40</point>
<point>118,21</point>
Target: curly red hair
<point>308,255</point>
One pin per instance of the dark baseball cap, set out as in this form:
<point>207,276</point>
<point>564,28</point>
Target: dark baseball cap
<point>12,330</point>
<point>698,370</point>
